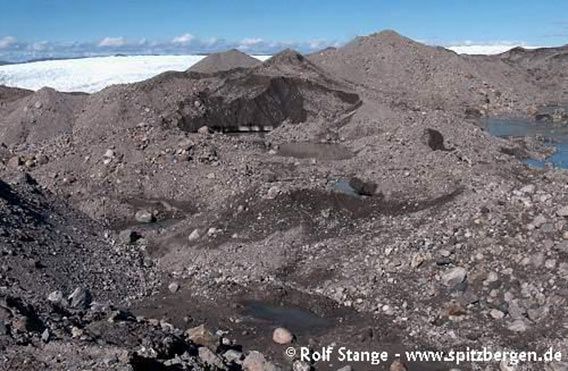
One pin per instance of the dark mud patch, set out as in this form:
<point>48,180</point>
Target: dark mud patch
<point>279,100</point>
<point>296,319</point>
<point>251,100</point>
<point>321,214</point>
<point>319,151</point>
<point>255,312</point>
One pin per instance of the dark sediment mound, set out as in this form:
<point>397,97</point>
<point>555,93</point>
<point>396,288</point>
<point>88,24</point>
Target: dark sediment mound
<point>421,75</point>
<point>257,102</point>
<point>8,94</point>
<point>520,54</point>
<point>47,246</point>
<point>286,88</point>
<point>290,62</point>
<point>265,96</point>
<point>545,67</point>
<point>224,61</point>
<point>286,57</point>
<point>39,116</point>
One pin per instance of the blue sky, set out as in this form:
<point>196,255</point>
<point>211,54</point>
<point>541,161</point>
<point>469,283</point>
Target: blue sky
<point>39,28</point>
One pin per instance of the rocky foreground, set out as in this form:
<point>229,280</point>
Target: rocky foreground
<point>210,219</point>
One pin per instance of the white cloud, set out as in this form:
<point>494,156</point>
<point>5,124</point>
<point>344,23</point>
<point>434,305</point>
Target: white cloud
<point>6,42</point>
<point>40,46</point>
<point>251,41</point>
<point>112,41</point>
<point>469,47</point>
<point>17,51</point>
<point>183,39</point>
<point>248,43</point>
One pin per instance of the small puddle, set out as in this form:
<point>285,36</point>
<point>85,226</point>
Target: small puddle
<point>295,319</point>
<point>344,186</point>
<point>319,151</point>
<point>554,135</point>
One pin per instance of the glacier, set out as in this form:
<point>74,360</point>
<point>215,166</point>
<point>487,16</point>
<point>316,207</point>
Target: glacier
<point>90,75</point>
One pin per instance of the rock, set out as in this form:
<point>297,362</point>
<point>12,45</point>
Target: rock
<point>518,326</point>
<point>556,366</point>
<point>362,187</point>
<point>22,324</point>
<point>433,139</point>
<point>194,236</point>
<point>201,336</point>
<point>397,365</point>
<point>550,263</point>
<point>273,192</point>
<point>29,163</point>
<point>128,236</point>
<point>118,316</point>
<point>417,261</point>
<point>505,365</point>
<point>563,270</point>
<point>536,314</point>
<point>282,336</point>
<point>213,232</point>
<point>255,361</point>
<point>42,159</point>
<point>537,260</point>
<point>454,277</point>
<point>80,298</point>
<point>563,212</point>
<point>15,162</point>
<point>301,366</point>
<point>491,277</point>
<point>203,130</point>
<point>173,287</point>
<point>539,221</point>
<point>345,368</point>
<point>473,113</point>
<point>211,358</point>
<point>516,311</point>
<point>233,356</point>
<point>3,328</point>
<point>455,309</point>
<point>108,156</point>
<point>496,314</point>
<point>45,336</point>
<point>76,332</point>
<point>144,216</point>
<point>56,297</point>
<point>530,188</point>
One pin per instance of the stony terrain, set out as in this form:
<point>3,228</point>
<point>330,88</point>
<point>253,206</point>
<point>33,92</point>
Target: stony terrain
<point>225,61</point>
<point>349,196</point>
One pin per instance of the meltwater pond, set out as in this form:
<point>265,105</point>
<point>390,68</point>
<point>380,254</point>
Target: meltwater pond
<point>555,135</point>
